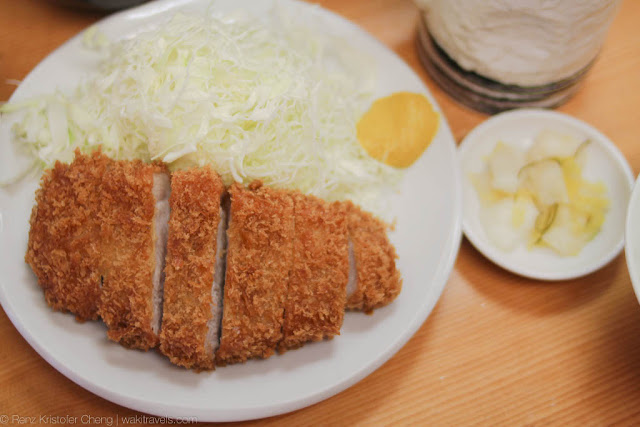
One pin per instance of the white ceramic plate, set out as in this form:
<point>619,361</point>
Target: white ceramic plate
<point>604,163</point>
<point>427,237</point>
<point>632,239</point>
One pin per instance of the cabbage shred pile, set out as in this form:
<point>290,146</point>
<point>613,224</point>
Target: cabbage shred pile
<point>254,100</point>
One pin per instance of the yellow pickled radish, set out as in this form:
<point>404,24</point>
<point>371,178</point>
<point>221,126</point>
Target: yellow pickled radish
<point>398,128</point>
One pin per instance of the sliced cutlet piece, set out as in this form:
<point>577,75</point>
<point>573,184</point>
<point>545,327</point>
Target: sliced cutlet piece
<point>259,256</point>
<point>64,239</point>
<point>314,309</point>
<point>374,280</point>
<point>134,217</point>
<point>194,269</point>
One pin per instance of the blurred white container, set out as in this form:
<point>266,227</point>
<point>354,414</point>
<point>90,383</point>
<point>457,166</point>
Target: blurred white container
<point>512,52</point>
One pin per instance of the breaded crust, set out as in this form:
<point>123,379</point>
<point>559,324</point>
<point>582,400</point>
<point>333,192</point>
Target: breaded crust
<point>316,299</point>
<point>191,257</point>
<point>128,261</point>
<point>379,281</point>
<point>259,255</point>
<point>64,239</point>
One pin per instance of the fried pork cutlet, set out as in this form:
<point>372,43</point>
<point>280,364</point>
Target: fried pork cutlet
<point>194,269</point>
<point>134,215</point>
<point>259,257</point>
<point>64,244</point>
<point>374,280</point>
<point>315,303</point>
<point>293,262</point>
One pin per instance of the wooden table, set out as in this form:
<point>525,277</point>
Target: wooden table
<point>498,349</point>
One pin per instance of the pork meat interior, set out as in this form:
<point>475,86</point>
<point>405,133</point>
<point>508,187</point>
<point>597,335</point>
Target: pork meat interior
<point>194,269</point>
<point>374,280</point>
<point>259,258</point>
<point>133,215</point>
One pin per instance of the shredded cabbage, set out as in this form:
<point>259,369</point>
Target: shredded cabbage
<point>267,100</point>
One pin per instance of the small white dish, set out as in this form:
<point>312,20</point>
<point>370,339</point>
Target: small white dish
<point>632,238</point>
<point>605,163</point>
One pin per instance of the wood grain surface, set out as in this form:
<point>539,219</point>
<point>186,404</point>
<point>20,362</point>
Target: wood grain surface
<point>497,350</point>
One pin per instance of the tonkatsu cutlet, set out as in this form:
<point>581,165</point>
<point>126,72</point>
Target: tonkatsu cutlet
<point>194,269</point>
<point>315,303</point>
<point>259,257</point>
<point>98,245</point>
<point>134,215</point>
<point>374,280</point>
<point>64,245</point>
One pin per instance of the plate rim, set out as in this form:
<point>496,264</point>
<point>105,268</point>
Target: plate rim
<point>629,246</point>
<point>491,253</point>
<point>446,263</point>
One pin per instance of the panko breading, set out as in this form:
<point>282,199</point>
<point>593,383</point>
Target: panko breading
<point>101,233</point>
<point>378,281</point>
<point>127,215</point>
<point>259,256</point>
<point>64,239</point>
<point>316,299</point>
<point>188,315</point>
